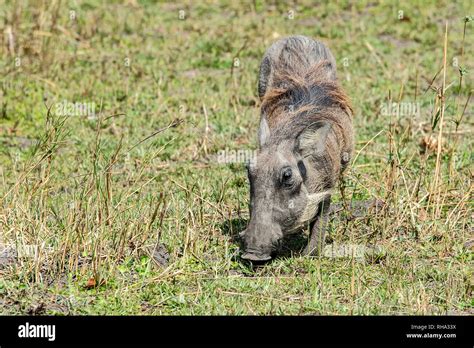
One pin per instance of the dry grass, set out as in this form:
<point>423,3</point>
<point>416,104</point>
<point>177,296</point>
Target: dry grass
<point>98,194</point>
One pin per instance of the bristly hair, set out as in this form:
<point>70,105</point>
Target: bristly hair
<point>296,91</point>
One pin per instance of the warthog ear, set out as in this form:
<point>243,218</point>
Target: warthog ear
<point>312,139</point>
<point>263,132</point>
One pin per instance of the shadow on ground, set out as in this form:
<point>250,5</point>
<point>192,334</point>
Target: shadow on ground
<point>294,244</point>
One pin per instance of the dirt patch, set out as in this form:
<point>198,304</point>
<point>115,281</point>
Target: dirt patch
<point>8,256</point>
<point>161,255</point>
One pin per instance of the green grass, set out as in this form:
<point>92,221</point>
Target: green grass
<point>96,197</point>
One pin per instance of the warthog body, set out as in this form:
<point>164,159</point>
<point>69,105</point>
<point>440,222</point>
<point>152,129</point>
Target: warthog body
<point>306,141</point>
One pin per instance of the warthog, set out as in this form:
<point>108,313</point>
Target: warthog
<point>305,143</point>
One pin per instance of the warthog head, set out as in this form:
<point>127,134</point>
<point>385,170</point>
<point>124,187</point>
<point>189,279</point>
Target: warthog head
<point>286,187</point>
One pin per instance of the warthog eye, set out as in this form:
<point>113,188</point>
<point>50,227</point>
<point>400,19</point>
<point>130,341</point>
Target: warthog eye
<point>287,177</point>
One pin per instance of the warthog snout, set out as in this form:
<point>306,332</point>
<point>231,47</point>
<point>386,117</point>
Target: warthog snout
<point>259,245</point>
<point>251,256</point>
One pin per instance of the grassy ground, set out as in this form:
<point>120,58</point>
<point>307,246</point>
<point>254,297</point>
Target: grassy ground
<point>172,85</point>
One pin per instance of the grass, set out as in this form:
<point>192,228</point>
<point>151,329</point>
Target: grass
<point>171,89</point>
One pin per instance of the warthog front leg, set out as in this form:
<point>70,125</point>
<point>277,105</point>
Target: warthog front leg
<point>318,230</point>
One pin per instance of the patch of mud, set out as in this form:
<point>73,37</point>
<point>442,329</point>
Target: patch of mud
<point>8,256</point>
<point>161,255</point>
